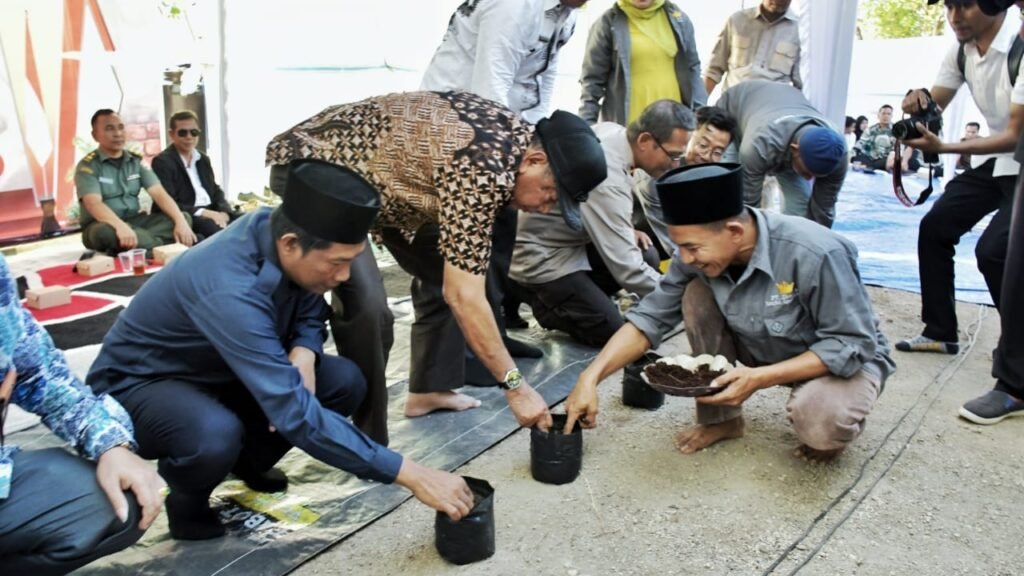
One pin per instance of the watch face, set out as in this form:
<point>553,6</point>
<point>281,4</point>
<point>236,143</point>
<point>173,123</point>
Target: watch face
<point>513,379</point>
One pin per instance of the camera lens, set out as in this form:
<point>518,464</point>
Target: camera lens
<point>899,130</point>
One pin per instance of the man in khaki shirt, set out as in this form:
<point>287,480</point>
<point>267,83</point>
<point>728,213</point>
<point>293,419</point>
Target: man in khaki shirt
<point>761,43</point>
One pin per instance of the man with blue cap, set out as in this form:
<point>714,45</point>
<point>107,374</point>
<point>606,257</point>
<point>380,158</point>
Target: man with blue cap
<point>778,293</point>
<point>781,134</point>
<point>219,358</point>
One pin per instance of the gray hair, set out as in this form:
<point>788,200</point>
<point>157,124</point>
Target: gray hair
<point>661,119</point>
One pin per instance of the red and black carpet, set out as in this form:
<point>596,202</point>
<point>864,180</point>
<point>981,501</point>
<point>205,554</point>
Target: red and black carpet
<point>271,534</point>
<point>95,303</point>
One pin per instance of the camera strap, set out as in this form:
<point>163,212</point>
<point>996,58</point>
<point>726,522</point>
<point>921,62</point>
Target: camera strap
<point>897,182</point>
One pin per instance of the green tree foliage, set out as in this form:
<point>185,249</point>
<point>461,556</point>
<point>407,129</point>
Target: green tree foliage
<point>900,19</point>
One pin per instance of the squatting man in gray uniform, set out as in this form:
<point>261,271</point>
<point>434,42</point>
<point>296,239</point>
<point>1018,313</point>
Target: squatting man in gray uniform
<point>779,293</point>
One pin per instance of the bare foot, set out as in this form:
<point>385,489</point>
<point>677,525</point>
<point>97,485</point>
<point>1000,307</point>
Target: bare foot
<point>701,436</point>
<point>812,456</point>
<point>423,404</point>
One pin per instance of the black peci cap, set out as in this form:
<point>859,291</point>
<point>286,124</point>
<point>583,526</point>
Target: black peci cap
<point>329,201</point>
<point>576,159</point>
<point>980,3</point>
<point>701,193</point>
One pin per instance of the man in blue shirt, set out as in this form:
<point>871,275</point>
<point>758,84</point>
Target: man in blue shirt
<point>219,357</point>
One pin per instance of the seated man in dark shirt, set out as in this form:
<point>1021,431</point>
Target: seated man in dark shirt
<point>187,176</point>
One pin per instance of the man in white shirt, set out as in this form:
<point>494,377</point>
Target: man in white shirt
<point>987,187</point>
<point>188,177</point>
<point>506,51</point>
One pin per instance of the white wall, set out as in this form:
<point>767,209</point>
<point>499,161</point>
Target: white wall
<point>288,60</point>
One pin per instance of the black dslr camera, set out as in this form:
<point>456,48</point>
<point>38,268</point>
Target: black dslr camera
<point>931,117</point>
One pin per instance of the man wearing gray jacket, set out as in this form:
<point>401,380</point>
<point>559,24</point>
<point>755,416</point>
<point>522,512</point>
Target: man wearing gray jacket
<point>567,275</point>
<point>781,134</point>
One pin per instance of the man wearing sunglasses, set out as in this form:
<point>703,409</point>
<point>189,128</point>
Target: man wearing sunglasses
<point>58,511</point>
<point>109,180</point>
<point>567,275</point>
<point>188,177</point>
<point>781,134</point>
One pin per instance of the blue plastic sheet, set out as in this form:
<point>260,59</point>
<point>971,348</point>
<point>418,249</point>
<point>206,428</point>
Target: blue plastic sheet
<point>885,233</point>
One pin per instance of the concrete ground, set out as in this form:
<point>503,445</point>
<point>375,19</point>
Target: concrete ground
<point>921,492</point>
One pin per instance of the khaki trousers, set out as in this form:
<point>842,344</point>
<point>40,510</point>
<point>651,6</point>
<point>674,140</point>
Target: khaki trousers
<point>827,413</point>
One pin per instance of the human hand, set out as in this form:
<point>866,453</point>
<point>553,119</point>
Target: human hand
<point>183,233</point>
<point>928,143</point>
<point>740,383</point>
<point>529,407</point>
<point>582,404</point>
<point>8,384</point>
<point>126,237</point>
<point>642,239</point>
<point>220,218</point>
<point>915,101</point>
<point>442,491</point>
<point>117,470</point>
<point>305,360</point>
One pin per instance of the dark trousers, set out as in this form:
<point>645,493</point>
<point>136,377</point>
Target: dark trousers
<point>869,162</point>
<point>603,277</point>
<point>576,305</point>
<point>152,230</point>
<point>57,518</point>
<point>436,345</point>
<point>879,163</point>
<point>205,227</point>
<point>362,326</point>
<point>1008,364</point>
<point>966,200</point>
<point>201,433</point>
<point>579,303</point>
<point>503,242</point>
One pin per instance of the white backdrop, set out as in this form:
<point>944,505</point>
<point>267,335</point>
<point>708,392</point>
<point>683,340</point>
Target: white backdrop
<point>285,61</point>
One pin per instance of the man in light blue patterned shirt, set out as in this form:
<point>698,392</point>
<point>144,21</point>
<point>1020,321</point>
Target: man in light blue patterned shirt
<point>59,512</point>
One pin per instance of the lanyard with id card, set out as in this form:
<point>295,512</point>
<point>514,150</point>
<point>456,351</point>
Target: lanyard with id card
<point>6,464</point>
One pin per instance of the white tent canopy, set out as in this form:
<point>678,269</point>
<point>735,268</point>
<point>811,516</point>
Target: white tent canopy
<point>285,61</point>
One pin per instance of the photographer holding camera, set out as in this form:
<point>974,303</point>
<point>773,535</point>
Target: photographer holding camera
<point>982,60</point>
<point>1007,396</point>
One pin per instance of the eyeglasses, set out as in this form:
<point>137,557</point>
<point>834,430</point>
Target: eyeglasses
<point>706,150</point>
<point>674,157</point>
<point>194,132</point>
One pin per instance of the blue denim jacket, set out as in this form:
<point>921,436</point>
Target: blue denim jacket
<point>45,386</point>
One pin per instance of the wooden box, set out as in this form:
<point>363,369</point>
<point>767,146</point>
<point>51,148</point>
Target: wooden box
<point>168,252</point>
<point>95,266</point>
<point>47,297</point>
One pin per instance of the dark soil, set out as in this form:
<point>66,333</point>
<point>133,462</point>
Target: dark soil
<point>679,377</point>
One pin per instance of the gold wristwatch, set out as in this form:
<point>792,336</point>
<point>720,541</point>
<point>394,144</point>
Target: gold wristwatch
<point>512,381</point>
